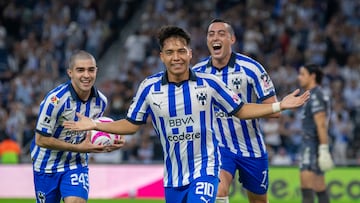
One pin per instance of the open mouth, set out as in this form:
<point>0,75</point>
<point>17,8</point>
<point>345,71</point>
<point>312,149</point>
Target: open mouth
<point>216,46</point>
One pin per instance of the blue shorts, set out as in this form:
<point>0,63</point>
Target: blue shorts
<point>253,172</point>
<point>201,190</point>
<point>52,187</point>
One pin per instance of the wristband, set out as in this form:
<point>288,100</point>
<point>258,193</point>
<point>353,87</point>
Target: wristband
<point>276,107</point>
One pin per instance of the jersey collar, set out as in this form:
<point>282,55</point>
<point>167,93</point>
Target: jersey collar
<point>165,80</point>
<point>94,93</point>
<point>230,64</point>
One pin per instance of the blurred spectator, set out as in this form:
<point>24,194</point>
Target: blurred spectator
<point>135,46</point>
<point>270,128</point>
<point>281,158</point>
<point>340,130</point>
<point>9,151</point>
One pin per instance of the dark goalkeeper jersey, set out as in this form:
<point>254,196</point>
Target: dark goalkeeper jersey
<point>318,102</point>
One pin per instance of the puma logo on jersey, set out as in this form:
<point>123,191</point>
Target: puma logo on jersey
<point>205,200</point>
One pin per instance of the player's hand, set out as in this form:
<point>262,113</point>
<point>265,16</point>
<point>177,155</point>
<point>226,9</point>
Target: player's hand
<point>84,123</point>
<point>119,143</point>
<point>292,101</point>
<point>324,160</point>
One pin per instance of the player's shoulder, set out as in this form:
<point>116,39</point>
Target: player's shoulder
<point>59,90</point>
<point>319,93</point>
<point>101,95</point>
<point>201,64</point>
<point>248,62</point>
<point>152,79</point>
<point>207,76</point>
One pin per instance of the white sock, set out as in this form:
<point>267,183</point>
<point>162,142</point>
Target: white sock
<point>222,199</point>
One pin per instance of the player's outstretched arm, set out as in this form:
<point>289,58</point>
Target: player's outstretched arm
<point>250,111</point>
<point>119,127</point>
<point>52,143</point>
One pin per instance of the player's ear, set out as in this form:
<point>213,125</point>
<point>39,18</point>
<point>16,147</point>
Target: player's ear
<point>69,72</point>
<point>161,56</point>
<point>233,39</point>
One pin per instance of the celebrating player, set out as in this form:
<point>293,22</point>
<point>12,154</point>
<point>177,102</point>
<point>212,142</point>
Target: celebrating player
<point>180,103</point>
<point>315,155</point>
<point>241,144</point>
<point>59,156</point>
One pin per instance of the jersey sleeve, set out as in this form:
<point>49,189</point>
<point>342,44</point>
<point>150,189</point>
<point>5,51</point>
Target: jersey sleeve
<point>318,102</point>
<point>261,82</point>
<point>47,119</point>
<point>138,110</point>
<point>224,98</point>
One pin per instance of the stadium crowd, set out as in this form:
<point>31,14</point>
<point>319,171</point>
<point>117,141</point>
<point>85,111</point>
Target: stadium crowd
<point>281,34</point>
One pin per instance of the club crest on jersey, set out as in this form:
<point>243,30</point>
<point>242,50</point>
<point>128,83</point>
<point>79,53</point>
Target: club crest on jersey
<point>202,96</point>
<point>54,100</point>
<point>41,197</point>
<point>236,82</point>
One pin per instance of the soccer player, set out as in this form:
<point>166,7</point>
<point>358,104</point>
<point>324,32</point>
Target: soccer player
<point>314,151</point>
<point>59,156</point>
<point>180,103</point>
<point>241,144</point>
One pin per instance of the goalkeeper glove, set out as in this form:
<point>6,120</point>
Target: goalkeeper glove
<point>324,160</point>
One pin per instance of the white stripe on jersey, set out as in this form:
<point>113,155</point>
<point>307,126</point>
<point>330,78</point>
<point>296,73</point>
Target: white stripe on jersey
<point>59,105</point>
<point>182,116</point>
<point>250,81</point>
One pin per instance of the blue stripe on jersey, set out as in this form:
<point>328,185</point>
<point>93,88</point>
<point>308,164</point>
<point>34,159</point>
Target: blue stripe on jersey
<point>178,162</point>
<point>167,150</point>
<point>67,103</point>
<point>190,154</point>
<point>187,99</point>
<point>234,137</point>
<point>225,75</point>
<point>237,68</point>
<point>247,138</point>
<point>57,160</point>
<point>220,91</point>
<point>215,143</point>
<point>46,157</point>
<point>248,92</point>
<point>157,87</point>
<point>97,101</point>
<point>252,61</point>
<point>49,110</point>
<point>140,102</point>
<point>199,82</point>
<point>258,138</point>
<point>213,71</point>
<point>204,154</point>
<point>221,129</point>
<point>172,102</point>
<point>251,74</point>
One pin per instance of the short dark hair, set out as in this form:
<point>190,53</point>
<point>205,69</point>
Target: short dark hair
<point>218,20</point>
<point>172,31</point>
<point>317,70</point>
<point>79,54</point>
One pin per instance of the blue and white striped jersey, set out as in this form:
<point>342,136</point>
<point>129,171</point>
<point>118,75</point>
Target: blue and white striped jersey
<point>182,116</point>
<point>61,104</point>
<point>249,80</point>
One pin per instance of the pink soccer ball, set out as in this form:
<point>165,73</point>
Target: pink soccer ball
<point>103,138</point>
